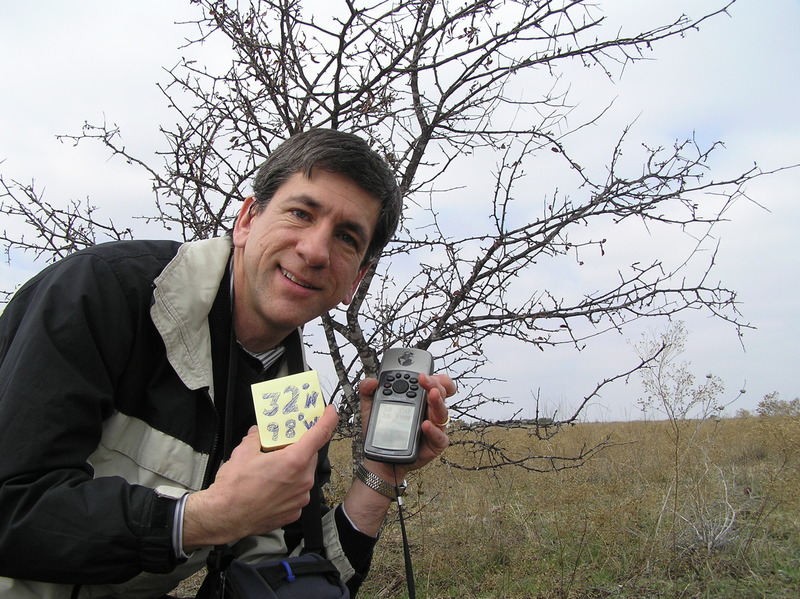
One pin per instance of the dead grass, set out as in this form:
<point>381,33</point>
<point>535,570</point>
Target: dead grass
<point>716,517</point>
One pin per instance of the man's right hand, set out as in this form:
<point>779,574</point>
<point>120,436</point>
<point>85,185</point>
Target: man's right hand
<point>256,492</point>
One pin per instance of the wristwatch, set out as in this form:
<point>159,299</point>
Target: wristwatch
<point>376,483</point>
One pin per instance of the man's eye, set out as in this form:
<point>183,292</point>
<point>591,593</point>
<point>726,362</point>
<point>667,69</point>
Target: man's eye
<point>302,214</point>
<point>349,239</point>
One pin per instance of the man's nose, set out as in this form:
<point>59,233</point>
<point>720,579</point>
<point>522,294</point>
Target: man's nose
<point>314,246</point>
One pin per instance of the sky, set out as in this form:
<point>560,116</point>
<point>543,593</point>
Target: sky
<point>736,80</point>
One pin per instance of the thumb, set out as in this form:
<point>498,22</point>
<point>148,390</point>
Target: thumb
<point>322,431</point>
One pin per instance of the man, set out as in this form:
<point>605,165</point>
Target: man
<point>122,366</point>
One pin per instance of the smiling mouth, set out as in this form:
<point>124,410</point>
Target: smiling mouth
<point>296,281</point>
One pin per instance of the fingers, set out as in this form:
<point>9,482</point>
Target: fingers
<point>445,383</point>
<point>437,438</point>
<point>439,387</point>
<point>250,442</point>
<point>306,448</point>
<point>255,492</point>
<point>367,388</point>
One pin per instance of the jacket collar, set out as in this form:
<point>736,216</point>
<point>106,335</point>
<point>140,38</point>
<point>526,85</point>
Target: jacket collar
<point>183,295</point>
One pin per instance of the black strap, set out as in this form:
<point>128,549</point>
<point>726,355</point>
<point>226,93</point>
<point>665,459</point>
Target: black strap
<point>410,584</point>
<point>312,523</point>
<point>230,395</point>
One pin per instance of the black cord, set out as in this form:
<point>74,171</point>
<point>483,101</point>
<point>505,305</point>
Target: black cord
<point>412,594</point>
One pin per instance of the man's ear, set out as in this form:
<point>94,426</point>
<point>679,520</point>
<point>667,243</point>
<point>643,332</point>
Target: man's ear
<point>349,297</point>
<point>241,228</point>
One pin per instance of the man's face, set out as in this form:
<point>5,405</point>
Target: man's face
<point>301,256</point>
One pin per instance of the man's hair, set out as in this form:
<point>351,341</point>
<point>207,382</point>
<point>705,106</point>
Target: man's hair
<point>341,153</point>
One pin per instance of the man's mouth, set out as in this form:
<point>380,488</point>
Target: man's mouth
<point>296,281</point>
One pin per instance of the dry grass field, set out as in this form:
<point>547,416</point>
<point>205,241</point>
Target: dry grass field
<point>671,510</point>
<point>688,509</point>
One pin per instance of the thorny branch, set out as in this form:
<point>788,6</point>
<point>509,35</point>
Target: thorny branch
<point>437,87</point>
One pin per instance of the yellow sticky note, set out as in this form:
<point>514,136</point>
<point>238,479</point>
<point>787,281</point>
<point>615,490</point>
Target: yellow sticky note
<point>286,408</point>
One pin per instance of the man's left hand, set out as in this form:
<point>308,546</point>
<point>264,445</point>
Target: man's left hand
<point>434,436</point>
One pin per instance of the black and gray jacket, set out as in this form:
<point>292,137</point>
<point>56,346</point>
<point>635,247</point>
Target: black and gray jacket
<point>107,416</point>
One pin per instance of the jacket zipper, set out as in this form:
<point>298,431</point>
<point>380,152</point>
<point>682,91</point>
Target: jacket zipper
<point>213,457</point>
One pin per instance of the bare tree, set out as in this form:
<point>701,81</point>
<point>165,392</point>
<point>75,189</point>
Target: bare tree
<point>436,86</point>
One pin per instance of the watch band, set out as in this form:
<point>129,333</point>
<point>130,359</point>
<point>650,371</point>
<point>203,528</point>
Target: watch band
<point>376,483</point>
